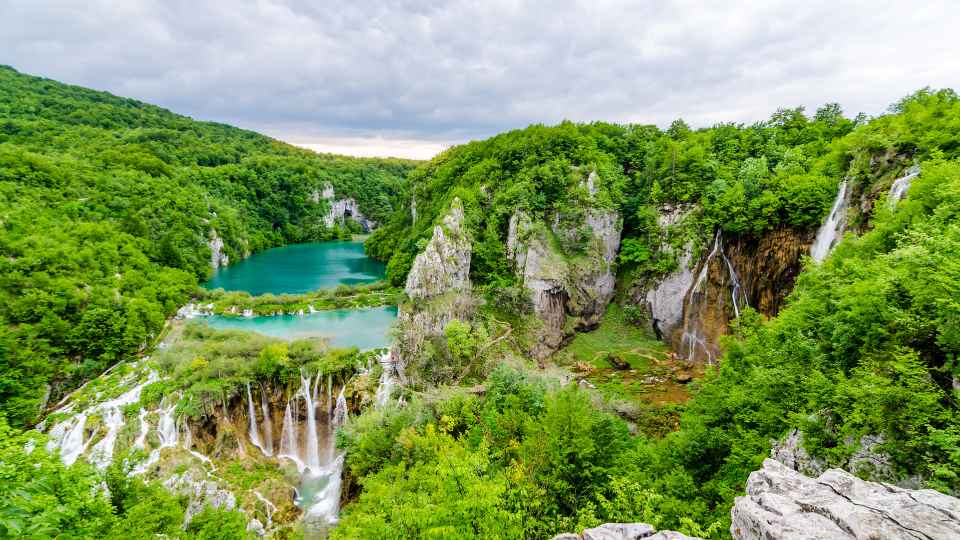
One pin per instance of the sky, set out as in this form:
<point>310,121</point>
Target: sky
<point>408,78</point>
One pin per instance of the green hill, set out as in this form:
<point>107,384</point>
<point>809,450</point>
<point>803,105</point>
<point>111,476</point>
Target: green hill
<point>106,208</point>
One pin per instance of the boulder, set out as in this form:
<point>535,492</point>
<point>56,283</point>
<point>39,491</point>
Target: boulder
<point>783,504</point>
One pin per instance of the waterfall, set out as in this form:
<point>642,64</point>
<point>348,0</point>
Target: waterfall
<point>267,422</point>
<point>313,444</point>
<point>340,412</point>
<point>694,336</point>
<point>833,226</point>
<point>254,430</point>
<point>141,442</point>
<point>385,388</point>
<point>101,455</point>
<point>73,446</point>
<point>900,186</point>
<point>289,446</point>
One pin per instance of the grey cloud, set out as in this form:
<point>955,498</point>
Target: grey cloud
<point>456,70</point>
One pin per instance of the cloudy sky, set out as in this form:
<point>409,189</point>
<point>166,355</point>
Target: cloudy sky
<point>410,77</point>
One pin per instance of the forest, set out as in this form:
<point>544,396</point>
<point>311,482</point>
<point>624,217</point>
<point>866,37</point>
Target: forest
<point>107,206</point>
<point>106,212</point>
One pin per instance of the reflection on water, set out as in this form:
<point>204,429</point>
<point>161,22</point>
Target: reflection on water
<point>299,268</point>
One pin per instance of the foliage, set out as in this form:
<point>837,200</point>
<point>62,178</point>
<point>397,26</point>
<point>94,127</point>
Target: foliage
<point>106,209</point>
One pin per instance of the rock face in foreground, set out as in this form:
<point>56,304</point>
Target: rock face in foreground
<point>438,286</point>
<point>624,531</point>
<point>782,504</point>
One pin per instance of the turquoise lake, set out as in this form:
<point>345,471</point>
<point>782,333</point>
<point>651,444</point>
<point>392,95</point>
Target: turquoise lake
<point>303,268</point>
<point>299,268</point>
<point>361,328</point>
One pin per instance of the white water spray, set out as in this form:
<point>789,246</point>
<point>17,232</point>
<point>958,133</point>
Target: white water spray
<point>833,227</point>
<point>254,430</point>
<point>900,186</point>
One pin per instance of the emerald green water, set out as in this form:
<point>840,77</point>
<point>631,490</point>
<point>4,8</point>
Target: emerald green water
<point>299,268</point>
<point>303,268</point>
<point>361,328</point>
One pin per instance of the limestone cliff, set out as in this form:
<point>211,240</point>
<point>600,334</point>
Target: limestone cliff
<point>342,209</point>
<point>567,267</point>
<point>624,531</point>
<point>783,504</point>
<point>438,287</point>
<point>664,298</point>
<point>217,257</point>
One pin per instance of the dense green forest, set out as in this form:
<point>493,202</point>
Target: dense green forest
<point>107,206</point>
<point>867,345</point>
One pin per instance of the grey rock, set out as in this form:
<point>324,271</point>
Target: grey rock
<point>783,504</point>
<point>341,209</point>
<point>217,257</point>
<point>444,265</point>
<point>624,531</point>
<point>619,531</point>
<point>790,452</point>
<point>256,528</point>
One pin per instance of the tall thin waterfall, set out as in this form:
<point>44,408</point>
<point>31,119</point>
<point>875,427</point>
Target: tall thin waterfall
<point>340,411</point>
<point>254,429</point>
<point>694,337</point>
<point>833,226</point>
<point>900,186</point>
<point>313,444</point>
<point>289,444</point>
<point>267,422</point>
<point>387,380</point>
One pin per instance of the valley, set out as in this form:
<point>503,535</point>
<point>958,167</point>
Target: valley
<point>207,333</point>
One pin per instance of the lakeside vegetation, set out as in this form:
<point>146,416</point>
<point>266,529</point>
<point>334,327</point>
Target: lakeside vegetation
<point>234,303</point>
<point>107,206</point>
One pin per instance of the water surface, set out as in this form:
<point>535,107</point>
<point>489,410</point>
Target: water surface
<point>361,328</point>
<point>299,268</point>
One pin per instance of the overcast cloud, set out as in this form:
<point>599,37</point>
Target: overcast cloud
<point>408,77</point>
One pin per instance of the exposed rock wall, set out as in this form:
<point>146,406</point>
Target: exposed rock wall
<point>342,209</point>
<point>624,531</point>
<point>782,504</point>
<point>665,297</point>
<point>217,257</point>
<point>438,286</point>
<point>743,271</point>
<point>577,282</point>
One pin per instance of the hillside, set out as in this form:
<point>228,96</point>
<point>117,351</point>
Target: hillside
<point>109,210</point>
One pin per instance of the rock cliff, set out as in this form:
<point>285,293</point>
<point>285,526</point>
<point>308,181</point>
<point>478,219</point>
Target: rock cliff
<point>342,209</point>
<point>438,286</point>
<point>217,257</point>
<point>567,267</point>
<point>782,504</point>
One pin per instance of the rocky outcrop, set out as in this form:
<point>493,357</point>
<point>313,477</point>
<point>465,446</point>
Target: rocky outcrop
<point>342,209</point>
<point>783,504</point>
<point>444,265</point>
<point>438,286</point>
<point>624,531</point>
<point>567,267</point>
<point>217,257</point>
<point>790,452</point>
<point>664,298</point>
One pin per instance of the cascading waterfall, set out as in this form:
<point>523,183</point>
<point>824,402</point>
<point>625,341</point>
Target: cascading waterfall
<point>141,442</point>
<point>267,422</point>
<point>694,337</point>
<point>254,429</point>
<point>340,411</point>
<point>289,446</point>
<point>387,381</point>
<point>833,226</point>
<point>900,186</point>
<point>313,444</point>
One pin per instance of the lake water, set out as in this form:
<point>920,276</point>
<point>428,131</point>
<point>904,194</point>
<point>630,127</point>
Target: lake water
<point>303,268</point>
<point>299,268</point>
<point>361,328</point>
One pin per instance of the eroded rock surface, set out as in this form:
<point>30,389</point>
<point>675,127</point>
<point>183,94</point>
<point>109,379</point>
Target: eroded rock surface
<point>567,266</point>
<point>624,531</point>
<point>782,504</point>
<point>342,209</point>
<point>438,286</point>
<point>217,257</point>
